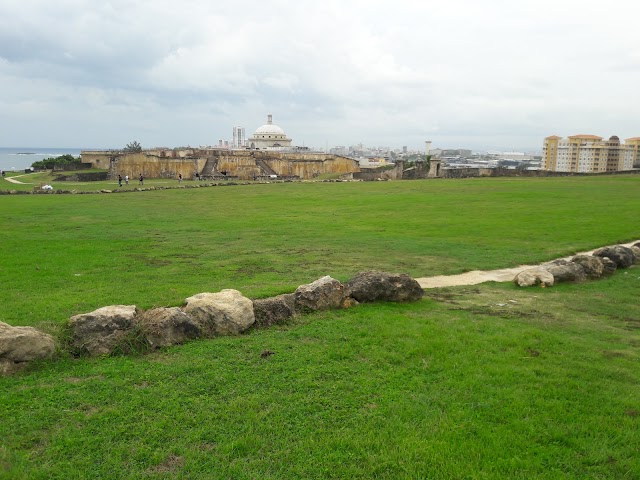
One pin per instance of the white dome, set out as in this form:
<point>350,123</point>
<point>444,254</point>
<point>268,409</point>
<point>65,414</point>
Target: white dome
<point>269,129</point>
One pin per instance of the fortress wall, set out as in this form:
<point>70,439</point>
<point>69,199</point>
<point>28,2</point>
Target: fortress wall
<point>309,166</point>
<point>98,159</point>
<point>240,163</point>
<point>151,166</point>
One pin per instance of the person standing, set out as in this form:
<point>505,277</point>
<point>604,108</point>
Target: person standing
<point>179,178</point>
<point>126,179</point>
<point>141,180</point>
<point>119,180</point>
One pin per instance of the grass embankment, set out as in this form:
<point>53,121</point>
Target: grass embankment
<point>483,382</point>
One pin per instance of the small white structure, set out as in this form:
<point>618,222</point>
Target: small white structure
<point>269,136</point>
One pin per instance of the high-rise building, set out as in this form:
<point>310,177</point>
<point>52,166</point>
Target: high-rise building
<point>239,139</point>
<point>589,154</point>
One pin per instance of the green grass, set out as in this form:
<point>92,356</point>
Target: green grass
<point>31,180</point>
<point>472,382</point>
<point>69,254</point>
<point>455,386</point>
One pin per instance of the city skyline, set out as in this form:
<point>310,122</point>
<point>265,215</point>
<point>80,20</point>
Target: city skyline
<point>484,76</point>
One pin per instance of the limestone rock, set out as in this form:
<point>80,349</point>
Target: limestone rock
<point>163,327</point>
<point>274,310</point>
<point>21,345</point>
<point>609,267</point>
<point>101,331</point>
<point>324,294</point>
<point>382,286</point>
<point>623,256</point>
<point>224,313</point>
<point>565,271</point>
<point>636,254</point>
<point>534,276</point>
<point>593,266</point>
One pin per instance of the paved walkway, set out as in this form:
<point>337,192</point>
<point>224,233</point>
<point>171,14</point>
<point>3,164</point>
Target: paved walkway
<point>478,276</point>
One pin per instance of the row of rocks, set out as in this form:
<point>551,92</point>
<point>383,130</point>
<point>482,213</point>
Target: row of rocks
<point>602,263</point>
<point>119,327</point>
<point>116,190</point>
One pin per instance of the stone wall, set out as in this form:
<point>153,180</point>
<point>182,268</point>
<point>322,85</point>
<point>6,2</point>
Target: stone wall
<point>152,166</point>
<point>237,163</point>
<point>508,172</point>
<point>83,177</point>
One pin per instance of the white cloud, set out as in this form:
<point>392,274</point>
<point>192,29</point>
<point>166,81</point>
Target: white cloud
<point>476,73</point>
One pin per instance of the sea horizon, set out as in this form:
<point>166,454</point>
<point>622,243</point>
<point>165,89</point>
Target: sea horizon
<point>20,158</point>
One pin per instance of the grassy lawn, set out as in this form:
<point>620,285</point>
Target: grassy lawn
<point>472,382</point>
<point>482,382</point>
<point>69,254</point>
<point>31,180</point>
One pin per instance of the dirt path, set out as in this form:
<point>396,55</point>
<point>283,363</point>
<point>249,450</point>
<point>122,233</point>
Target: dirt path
<point>479,276</point>
<point>13,179</point>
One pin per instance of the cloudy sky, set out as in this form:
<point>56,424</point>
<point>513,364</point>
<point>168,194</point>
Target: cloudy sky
<point>492,74</point>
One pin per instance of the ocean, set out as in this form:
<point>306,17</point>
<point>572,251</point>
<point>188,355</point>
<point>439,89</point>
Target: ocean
<point>22,157</point>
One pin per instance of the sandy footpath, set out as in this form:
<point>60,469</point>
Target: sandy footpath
<point>479,276</point>
<point>13,179</point>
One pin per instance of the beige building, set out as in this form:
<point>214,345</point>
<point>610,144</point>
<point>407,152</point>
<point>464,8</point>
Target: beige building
<point>269,137</point>
<point>589,154</point>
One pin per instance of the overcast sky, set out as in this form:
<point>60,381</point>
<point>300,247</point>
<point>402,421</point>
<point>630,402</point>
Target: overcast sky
<point>488,74</point>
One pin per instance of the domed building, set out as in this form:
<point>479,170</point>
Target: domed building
<point>269,136</point>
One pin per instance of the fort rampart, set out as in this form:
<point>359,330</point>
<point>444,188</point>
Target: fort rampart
<point>243,164</point>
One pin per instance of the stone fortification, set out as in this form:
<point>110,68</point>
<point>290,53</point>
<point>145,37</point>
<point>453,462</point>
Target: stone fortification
<point>242,164</point>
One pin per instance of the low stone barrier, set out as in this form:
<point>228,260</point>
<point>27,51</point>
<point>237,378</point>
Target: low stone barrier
<point>123,328</point>
<point>602,263</point>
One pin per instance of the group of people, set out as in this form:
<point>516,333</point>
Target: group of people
<point>126,180</point>
<point>140,179</point>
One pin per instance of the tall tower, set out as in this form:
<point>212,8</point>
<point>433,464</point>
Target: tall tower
<point>427,145</point>
<point>239,139</point>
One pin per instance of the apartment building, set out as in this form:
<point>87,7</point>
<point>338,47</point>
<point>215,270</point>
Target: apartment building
<point>589,154</point>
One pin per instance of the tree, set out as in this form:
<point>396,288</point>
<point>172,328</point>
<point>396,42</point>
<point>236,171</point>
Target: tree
<point>49,163</point>
<point>133,147</point>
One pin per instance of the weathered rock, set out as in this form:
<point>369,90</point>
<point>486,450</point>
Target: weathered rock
<point>274,310</point>
<point>623,256</point>
<point>21,345</point>
<point>593,266</point>
<point>163,327</point>
<point>565,271</point>
<point>100,332</point>
<point>609,267</point>
<point>224,313</point>
<point>534,276</point>
<point>324,294</point>
<point>636,254</point>
<point>382,286</point>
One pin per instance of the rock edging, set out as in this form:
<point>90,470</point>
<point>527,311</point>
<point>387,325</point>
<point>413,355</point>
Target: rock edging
<point>601,263</point>
<point>122,328</point>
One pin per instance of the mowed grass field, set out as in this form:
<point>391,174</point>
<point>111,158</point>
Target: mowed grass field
<point>472,382</point>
